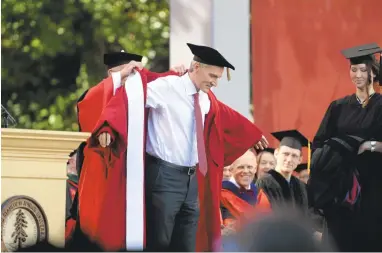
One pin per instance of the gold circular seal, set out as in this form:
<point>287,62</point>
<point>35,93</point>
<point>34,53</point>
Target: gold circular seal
<point>23,223</point>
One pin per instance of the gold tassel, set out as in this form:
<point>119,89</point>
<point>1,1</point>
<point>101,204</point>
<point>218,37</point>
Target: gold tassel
<point>228,75</point>
<point>309,156</point>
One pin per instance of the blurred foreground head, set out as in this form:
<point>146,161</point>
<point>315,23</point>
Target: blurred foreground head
<point>285,232</point>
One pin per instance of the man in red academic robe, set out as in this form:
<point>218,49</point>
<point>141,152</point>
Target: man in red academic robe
<point>90,106</point>
<point>131,172</point>
<point>239,195</point>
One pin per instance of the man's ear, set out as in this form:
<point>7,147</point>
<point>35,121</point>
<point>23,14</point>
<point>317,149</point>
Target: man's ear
<point>300,159</point>
<point>196,66</point>
<point>112,70</point>
<point>276,153</point>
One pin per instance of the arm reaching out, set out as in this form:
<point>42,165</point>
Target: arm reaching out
<point>239,134</point>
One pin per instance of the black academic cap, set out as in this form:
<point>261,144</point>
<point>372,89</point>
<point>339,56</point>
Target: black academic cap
<point>364,54</point>
<point>210,56</point>
<point>114,59</point>
<point>301,167</point>
<point>291,138</point>
<point>367,50</point>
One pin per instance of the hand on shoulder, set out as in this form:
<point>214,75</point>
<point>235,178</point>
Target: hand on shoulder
<point>129,68</point>
<point>180,69</point>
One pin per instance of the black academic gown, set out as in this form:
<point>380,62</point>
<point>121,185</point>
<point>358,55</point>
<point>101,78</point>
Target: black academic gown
<point>283,194</point>
<point>347,117</point>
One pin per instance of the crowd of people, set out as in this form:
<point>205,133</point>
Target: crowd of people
<point>169,167</point>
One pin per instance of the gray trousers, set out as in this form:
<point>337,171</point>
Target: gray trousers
<point>172,210</point>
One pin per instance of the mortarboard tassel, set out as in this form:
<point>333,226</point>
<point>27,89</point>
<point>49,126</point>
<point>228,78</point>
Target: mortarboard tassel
<point>228,75</point>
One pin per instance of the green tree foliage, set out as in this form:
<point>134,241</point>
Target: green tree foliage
<point>52,51</point>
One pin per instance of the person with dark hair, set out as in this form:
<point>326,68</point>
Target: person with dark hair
<point>358,115</point>
<point>279,185</point>
<point>227,173</point>
<point>302,172</point>
<point>266,161</point>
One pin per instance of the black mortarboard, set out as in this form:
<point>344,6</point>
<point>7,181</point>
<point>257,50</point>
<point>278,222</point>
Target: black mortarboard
<point>114,59</point>
<point>301,167</point>
<point>367,50</point>
<point>210,56</point>
<point>365,54</point>
<point>291,138</point>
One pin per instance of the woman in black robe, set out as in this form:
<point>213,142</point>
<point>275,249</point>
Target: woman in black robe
<point>359,114</point>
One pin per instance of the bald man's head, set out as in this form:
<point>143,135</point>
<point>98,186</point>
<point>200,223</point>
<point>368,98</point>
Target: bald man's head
<point>244,168</point>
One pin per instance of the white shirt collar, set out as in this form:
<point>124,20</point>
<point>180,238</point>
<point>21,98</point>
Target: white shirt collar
<point>232,180</point>
<point>189,85</point>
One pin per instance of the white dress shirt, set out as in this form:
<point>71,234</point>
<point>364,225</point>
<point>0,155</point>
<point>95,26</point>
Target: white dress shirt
<point>171,123</point>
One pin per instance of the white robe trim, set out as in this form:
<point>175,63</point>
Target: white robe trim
<point>135,206</point>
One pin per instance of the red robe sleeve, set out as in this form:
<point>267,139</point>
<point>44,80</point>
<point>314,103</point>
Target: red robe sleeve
<point>112,121</point>
<point>151,76</point>
<point>91,104</point>
<point>239,133</point>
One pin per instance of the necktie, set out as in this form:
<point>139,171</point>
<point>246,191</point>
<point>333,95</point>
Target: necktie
<point>199,136</point>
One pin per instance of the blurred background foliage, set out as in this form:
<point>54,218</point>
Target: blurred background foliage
<point>52,51</point>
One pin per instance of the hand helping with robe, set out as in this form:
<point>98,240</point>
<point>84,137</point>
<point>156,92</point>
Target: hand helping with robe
<point>180,69</point>
<point>104,139</point>
<point>262,144</point>
<point>129,68</point>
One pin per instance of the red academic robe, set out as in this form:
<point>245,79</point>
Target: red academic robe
<point>93,183</point>
<point>228,135</point>
<point>242,208</point>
